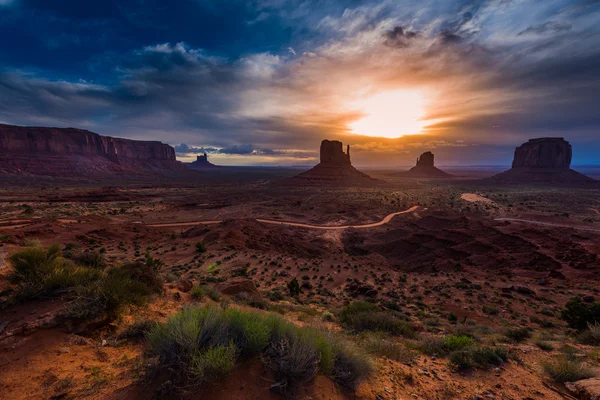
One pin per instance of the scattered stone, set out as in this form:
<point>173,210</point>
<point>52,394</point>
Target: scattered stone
<point>586,389</point>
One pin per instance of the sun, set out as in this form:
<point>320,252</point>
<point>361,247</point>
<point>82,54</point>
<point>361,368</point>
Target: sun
<point>390,114</point>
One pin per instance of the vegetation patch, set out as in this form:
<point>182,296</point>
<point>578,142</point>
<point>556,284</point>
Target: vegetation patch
<point>199,345</point>
<point>43,272</point>
<point>361,316</point>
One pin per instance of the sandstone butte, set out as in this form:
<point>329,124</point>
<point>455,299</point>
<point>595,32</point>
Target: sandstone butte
<point>425,168</point>
<point>542,160</point>
<point>334,169</point>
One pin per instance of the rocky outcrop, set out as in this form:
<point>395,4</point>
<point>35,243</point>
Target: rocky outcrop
<point>72,152</point>
<point>425,168</point>
<point>335,169</point>
<point>202,163</point>
<point>586,389</point>
<point>426,160</point>
<point>332,153</point>
<point>543,153</point>
<point>543,160</point>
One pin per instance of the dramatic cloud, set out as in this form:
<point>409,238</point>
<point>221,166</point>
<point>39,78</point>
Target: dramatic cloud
<point>266,80</point>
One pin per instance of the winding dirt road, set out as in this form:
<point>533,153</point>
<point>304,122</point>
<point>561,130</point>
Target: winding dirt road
<point>580,228</point>
<point>386,220</point>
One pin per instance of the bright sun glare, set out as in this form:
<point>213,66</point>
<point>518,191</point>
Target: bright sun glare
<point>391,114</point>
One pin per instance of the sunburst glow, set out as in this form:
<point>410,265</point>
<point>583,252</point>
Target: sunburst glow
<point>391,114</point>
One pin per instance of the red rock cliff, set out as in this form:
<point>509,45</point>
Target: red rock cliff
<point>69,141</point>
<point>543,153</point>
<point>66,151</point>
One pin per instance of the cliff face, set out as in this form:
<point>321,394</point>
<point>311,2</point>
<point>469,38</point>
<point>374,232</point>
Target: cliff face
<point>543,161</point>
<point>426,160</point>
<point>543,153</point>
<point>58,151</point>
<point>332,153</point>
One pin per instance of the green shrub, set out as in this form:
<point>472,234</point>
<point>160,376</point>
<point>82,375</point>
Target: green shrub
<point>90,259</point>
<point>362,316</point>
<point>544,345</point>
<point>385,347</point>
<point>197,293</point>
<point>579,314</point>
<point>294,287</point>
<point>478,357</point>
<point>40,271</point>
<point>518,334</point>
<point>591,335</point>
<point>198,345</point>
<point>441,346</point>
<point>200,248</point>
<point>564,368</point>
<point>117,289</point>
<point>138,330</point>
<point>212,293</point>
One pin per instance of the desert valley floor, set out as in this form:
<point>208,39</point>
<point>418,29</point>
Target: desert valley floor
<point>492,263</point>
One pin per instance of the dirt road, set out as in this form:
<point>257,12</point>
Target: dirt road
<point>580,228</point>
<point>386,220</point>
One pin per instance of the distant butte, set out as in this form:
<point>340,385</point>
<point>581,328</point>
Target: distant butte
<point>202,163</point>
<point>424,169</point>
<point>69,152</point>
<point>542,160</point>
<point>335,169</point>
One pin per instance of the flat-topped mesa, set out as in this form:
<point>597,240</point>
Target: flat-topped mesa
<point>543,153</point>
<point>543,161</point>
<point>77,152</point>
<point>426,160</point>
<point>332,153</point>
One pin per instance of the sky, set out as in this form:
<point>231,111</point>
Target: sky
<point>262,82</point>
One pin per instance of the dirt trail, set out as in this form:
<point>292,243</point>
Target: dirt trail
<point>386,220</point>
<point>581,228</point>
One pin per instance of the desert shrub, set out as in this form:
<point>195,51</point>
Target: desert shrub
<point>198,345</point>
<point>40,271</point>
<point>197,292</point>
<point>294,287</point>
<point>116,289</point>
<point>518,334</point>
<point>564,368</point>
<point>441,346</point>
<point>139,329</point>
<point>252,300</point>
<point>90,259</point>
<point>544,345</point>
<point>578,314</point>
<point>200,248</point>
<point>328,316</point>
<point>350,365</point>
<point>591,335</point>
<point>294,360</point>
<point>478,357</point>
<point>381,346</point>
<point>212,293</point>
<point>452,343</point>
<point>362,316</point>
